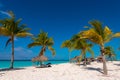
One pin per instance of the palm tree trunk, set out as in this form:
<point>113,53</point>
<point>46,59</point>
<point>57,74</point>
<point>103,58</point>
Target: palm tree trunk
<point>85,59</point>
<point>104,60</point>
<point>12,57</point>
<point>69,57</point>
<point>42,51</point>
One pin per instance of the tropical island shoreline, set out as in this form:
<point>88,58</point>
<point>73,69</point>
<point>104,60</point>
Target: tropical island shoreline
<point>63,71</point>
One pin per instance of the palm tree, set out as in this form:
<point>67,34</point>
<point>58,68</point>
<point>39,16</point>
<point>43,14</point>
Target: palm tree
<point>99,35</point>
<point>83,45</point>
<point>67,44</point>
<point>12,28</point>
<point>43,40</point>
<point>109,52</point>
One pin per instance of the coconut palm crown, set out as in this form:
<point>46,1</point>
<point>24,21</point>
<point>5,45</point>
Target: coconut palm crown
<point>67,44</point>
<point>43,40</point>
<point>75,44</point>
<point>100,35</point>
<point>11,27</point>
<point>110,54</point>
<point>83,45</point>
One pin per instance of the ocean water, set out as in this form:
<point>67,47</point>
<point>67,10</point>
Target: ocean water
<point>6,64</point>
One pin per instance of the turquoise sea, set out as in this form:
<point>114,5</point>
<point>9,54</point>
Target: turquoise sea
<point>24,63</point>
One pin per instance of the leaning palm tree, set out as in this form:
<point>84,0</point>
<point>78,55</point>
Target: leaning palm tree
<point>99,35</point>
<point>11,27</point>
<point>43,40</point>
<point>109,52</point>
<point>67,44</point>
<point>84,46</point>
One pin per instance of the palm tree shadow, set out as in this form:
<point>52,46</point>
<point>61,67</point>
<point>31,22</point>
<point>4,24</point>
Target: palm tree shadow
<point>79,64</point>
<point>8,69</point>
<point>95,69</point>
<point>117,64</point>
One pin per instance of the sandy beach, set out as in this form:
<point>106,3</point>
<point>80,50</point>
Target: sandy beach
<point>65,71</point>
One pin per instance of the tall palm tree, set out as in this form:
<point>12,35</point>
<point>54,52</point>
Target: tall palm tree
<point>109,52</point>
<point>67,44</point>
<point>43,40</point>
<point>12,28</point>
<point>99,35</point>
<point>83,45</point>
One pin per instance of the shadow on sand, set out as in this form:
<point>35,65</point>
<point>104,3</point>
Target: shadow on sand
<point>1,74</point>
<point>8,69</point>
<point>94,69</point>
<point>117,64</point>
<point>91,68</point>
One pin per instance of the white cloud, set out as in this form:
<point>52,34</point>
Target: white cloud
<point>5,13</point>
<point>22,53</point>
<point>23,50</point>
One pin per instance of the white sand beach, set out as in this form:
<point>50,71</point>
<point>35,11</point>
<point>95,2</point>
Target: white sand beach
<point>65,71</point>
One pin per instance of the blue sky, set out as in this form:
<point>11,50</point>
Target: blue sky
<point>61,19</point>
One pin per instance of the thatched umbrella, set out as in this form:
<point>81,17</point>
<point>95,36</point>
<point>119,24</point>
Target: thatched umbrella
<point>39,59</point>
<point>76,58</point>
<point>99,59</point>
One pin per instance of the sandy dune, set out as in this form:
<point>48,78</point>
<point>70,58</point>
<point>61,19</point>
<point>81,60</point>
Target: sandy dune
<point>64,71</point>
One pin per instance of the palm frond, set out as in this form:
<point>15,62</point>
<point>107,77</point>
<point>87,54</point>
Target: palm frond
<point>49,42</point>
<point>66,43</point>
<point>8,41</point>
<point>33,44</point>
<point>52,50</point>
<point>4,31</point>
<point>116,35</point>
<point>107,31</point>
<point>86,26</point>
<point>18,21</point>
<point>91,35</point>
<point>78,44</point>
<point>75,37</point>
<point>24,34</point>
<point>97,26</point>
<point>107,34</point>
<point>91,52</point>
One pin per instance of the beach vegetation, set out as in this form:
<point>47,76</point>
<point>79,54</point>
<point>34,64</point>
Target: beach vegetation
<point>84,46</point>
<point>12,28</point>
<point>67,44</point>
<point>44,41</point>
<point>100,35</point>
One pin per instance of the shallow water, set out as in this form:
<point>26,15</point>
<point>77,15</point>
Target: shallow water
<point>24,63</point>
